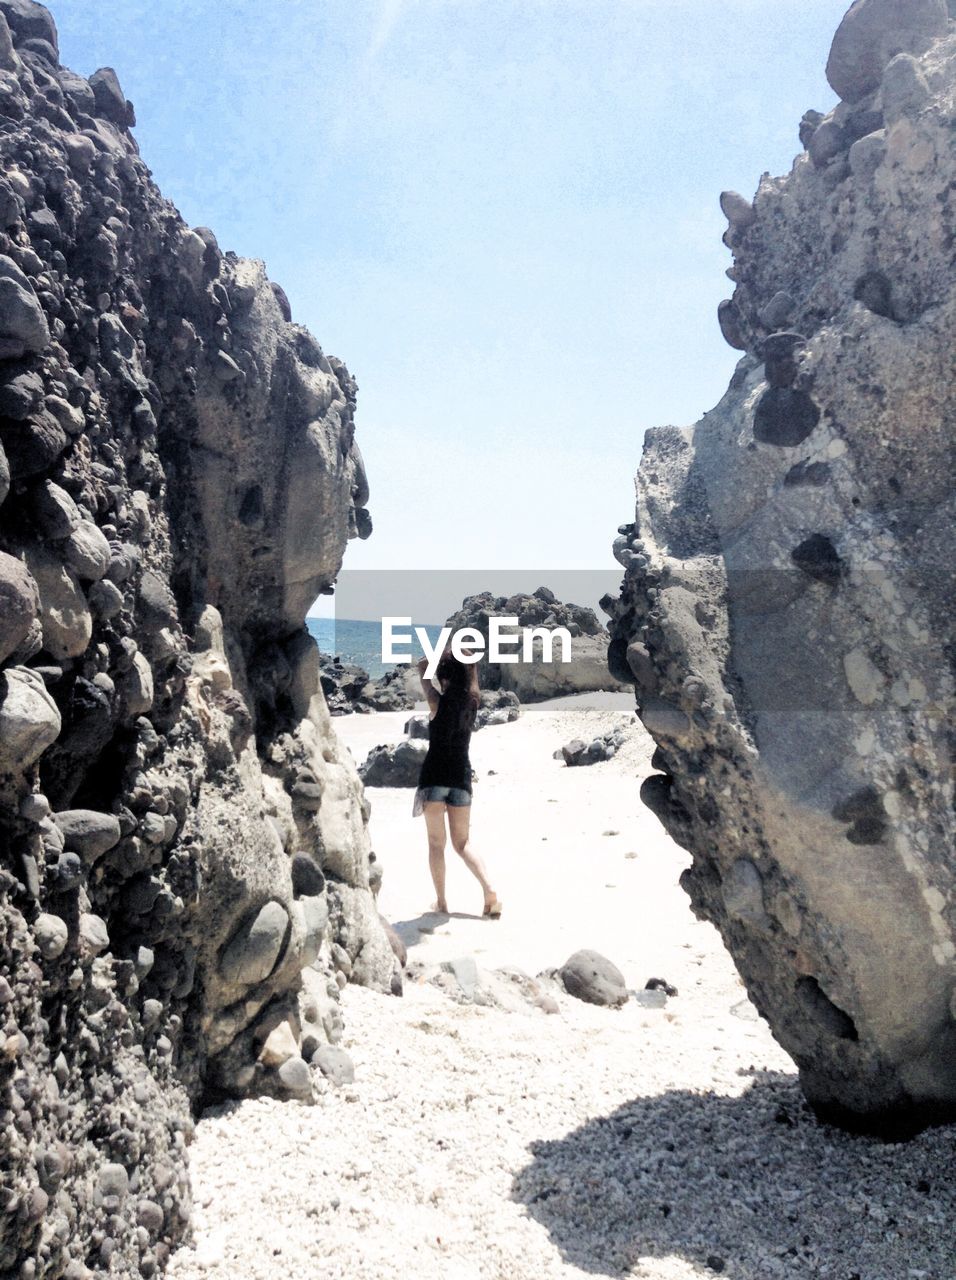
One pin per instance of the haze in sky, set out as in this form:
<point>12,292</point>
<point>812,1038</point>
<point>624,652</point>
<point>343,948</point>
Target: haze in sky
<point>502,214</point>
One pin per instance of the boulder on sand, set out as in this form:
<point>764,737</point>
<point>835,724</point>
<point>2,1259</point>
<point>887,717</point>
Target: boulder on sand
<point>591,977</point>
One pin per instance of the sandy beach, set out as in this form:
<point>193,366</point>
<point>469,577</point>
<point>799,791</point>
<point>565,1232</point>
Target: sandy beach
<point>477,1142</point>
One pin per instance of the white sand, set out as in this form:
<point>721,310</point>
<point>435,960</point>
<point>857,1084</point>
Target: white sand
<point>480,1143</point>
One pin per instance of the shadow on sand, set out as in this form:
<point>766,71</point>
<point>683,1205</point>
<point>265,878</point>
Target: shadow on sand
<point>410,931</point>
<point>751,1187</point>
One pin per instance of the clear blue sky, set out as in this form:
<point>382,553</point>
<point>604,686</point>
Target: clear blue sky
<point>502,214</point>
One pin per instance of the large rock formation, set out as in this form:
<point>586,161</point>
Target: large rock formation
<point>181,838</point>
<point>546,676</point>
<point>788,603</point>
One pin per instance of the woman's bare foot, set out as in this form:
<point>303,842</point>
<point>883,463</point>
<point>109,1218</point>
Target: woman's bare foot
<point>492,908</point>
<point>441,907</point>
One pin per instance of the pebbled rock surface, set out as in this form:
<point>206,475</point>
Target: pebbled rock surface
<point>786,612</point>
<point>181,837</point>
<point>538,680</point>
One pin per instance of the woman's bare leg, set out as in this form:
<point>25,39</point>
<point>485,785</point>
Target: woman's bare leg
<point>459,822</point>
<point>435,826</point>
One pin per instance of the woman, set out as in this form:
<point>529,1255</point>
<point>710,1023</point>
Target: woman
<point>444,785</point>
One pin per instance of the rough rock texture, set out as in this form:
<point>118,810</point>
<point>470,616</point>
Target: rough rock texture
<point>577,752</point>
<point>537,680</point>
<point>787,608</point>
<point>180,835</point>
<point>394,764</point>
<point>342,684</point>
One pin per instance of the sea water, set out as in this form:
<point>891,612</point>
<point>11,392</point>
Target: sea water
<point>360,643</point>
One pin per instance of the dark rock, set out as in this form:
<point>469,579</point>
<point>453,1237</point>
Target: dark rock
<point>363,524</point>
<point>396,765</point>
<point>814,474</point>
<point>109,97</point>
<point>283,300</point>
<point>21,396</point>
<point>497,706</point>
<point>33,447</point>
<point>728,317</point>
<point>597,751</point>
<point>342,684</point>
<point>23,325</point>
<point>44,226</point>
<point>785,417</point>
<point>54,511</point>
<point>828,141</point>
<point>307,877</point>
<point>591,977</point>
<point>808,125</point>
<point>417,727</point>
<point>874,290</point>
<point>77,90</point>
<point>30,21</point>
<point>136,489</point>
<point>818,558</point>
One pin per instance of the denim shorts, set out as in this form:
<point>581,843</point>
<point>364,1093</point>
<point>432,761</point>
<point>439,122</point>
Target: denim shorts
<point>457,797</point>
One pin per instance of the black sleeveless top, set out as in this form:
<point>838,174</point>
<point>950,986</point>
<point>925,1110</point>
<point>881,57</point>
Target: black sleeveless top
<point>447,763</point>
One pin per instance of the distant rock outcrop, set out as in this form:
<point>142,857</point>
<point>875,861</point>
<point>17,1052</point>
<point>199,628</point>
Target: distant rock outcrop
<point>181,837</point>
<point>538,680</point>
<point>789,593</point>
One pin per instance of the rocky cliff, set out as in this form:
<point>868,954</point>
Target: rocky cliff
<point>788,601</point>
<point>545,676</point>
<point>184,861</point>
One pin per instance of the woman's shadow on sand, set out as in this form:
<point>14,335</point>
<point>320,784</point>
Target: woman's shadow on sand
<point>410,931</point>
<point>752,1186</point>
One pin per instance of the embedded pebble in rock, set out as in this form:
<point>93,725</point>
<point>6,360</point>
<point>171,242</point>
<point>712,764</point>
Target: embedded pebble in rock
<point>64,613</point>
<point>252,953</point>
<point>872,32</point>
<point>738,210</point>
<point>87,832</point>
<point>51,934</point>
<point>106,600</point>
<point>54,511</point>
<point>94,936</point>
<point>19,604</point>
<point>87,552</point>
<point>29,719</point>
<point>23,326</point>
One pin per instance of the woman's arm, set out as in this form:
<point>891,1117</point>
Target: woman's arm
<point>428,689</point>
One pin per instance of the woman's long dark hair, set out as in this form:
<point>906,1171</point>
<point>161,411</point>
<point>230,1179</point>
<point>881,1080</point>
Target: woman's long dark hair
<point>462,687</point>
